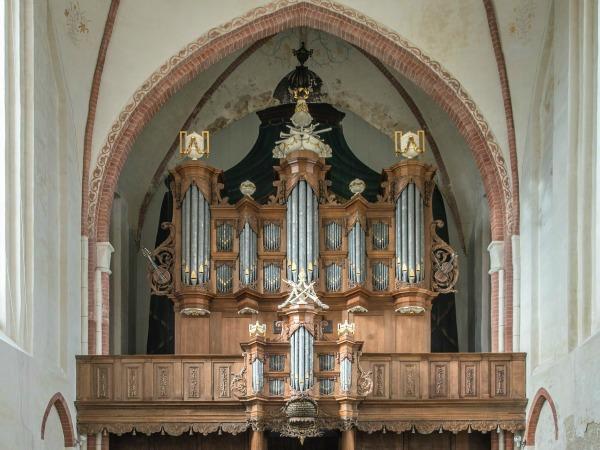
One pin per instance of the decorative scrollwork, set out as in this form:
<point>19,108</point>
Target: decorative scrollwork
<point>160,271</point>
<point>364,384</point>
<point>444,270</point>
<point>239,387</point>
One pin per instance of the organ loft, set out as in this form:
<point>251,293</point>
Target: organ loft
<point>302,289</point>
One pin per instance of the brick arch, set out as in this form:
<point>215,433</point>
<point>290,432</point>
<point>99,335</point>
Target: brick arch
<point>58,401</point>
<point>343,22</point>
<point>541,397</point>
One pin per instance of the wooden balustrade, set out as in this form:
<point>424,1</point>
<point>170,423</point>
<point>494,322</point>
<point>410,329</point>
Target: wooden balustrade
<point>207,393</point>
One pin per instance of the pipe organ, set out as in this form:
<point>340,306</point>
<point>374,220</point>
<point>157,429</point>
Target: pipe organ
<point>328,294</point>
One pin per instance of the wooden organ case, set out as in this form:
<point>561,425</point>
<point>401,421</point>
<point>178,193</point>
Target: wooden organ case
<point>304,315</point>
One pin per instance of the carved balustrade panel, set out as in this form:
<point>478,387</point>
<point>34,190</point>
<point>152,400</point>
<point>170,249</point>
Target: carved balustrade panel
<point>149,378</point>
<point>424,376</point>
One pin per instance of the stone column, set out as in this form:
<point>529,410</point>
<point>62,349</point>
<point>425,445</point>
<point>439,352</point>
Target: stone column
<point>496,250</point>
<point>103,253</point>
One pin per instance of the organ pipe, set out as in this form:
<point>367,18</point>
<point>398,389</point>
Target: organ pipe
<point>225,237</point>
<point>271,237</point>
<point>380,235</point>
<point>333,236</point>
<point>224,278</point>
<point>356,254</point>
<point>248,255</point>
<point>303,233</point>
<point>195,230</point>
<point>333,277</point>
<point>302,354</point>
<point>380,276</point>
<point>271,278</point>
<point>345,374</point>
<point>409,234</point>
<point>257,375</point>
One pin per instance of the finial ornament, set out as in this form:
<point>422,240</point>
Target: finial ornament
<point>303,134</point>
<point>257,329</point>
<point>194,145</point>
<point>247,188</point>
<point>301,293</point>
<point>357,186</point>
<point>346,328</point>
<point>409,144</point>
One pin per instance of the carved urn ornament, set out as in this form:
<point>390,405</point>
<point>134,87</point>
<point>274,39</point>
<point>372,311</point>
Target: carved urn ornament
<point>357,186</point>
<point>248,188</point>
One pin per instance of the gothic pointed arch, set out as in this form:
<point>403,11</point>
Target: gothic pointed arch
<point>58,401</point>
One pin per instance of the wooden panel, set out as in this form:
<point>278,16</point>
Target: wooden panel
<point>469,379</point>
<point>222,379</point>
<point>132,381</point>
<point>370,330</point>
<point>410,380</point>
<point>102,381</point>
<point>438,379</point>
<point>234,329</point>
<point>413,333</point>
<point>500,379</point>
<point>193,335</point>
<point>195,386</point>
<point>163,381</point>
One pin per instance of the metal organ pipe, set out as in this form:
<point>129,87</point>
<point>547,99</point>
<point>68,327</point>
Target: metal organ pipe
<point>346,374</point>
<point>248,255</point>
<point>195,240</point>
<point>302,355</point>
<point>303,233</point>
<point>185,263</point>
<point>257,375</point>
<point>410,233</point>
<point>356,254</point>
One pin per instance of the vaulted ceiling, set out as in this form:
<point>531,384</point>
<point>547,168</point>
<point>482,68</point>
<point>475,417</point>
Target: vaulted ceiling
<point>224,98</point>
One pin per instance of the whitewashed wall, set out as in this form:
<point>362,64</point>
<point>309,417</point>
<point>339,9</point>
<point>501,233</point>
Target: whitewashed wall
<point>560,232</point>
<point>30,378</point>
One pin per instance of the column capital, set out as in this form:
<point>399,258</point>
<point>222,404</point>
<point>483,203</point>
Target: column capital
<point>104,251</point>
<point>496,250</point>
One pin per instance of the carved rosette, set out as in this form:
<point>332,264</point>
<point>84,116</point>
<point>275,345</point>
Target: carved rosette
<point>444,262</point>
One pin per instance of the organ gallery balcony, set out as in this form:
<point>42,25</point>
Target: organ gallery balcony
<point>207,393</point>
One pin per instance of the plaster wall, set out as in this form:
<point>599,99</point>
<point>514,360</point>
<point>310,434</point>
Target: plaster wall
<point>559,241</point>
<point>32,376</point>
